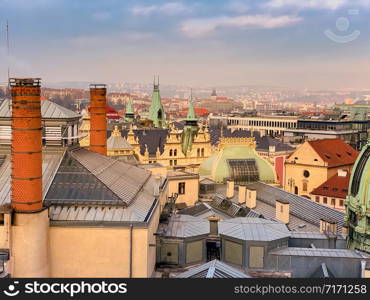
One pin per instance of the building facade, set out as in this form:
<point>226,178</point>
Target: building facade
<point>315,162</point>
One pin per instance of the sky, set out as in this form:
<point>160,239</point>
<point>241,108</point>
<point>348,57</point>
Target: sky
<point>315,44</point>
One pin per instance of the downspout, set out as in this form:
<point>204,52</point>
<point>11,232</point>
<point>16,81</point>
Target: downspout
<point>131,230</point>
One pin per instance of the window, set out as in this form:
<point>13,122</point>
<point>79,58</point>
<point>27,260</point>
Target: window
<point>341,203</point>
<point>304,186</point>
<point>282,208</point>
<point>170,152</point>
<point>233,253</point>
<point>333,201</point>
<point>317,199</point>
<point>175,162</point>
<point>194,252</point>
<point>171,162</point>
<point>325,200</point>
<point>202,151</point>
<point>256,257</point>
<point>175,152</point>
<point>198,152</point>
<point>243,170</point>
<point>170,253</point>
<point>306,173</point>
<point>181,188</point>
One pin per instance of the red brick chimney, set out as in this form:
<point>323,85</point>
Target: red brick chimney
<point>26,188</point>
<point>98,118</point>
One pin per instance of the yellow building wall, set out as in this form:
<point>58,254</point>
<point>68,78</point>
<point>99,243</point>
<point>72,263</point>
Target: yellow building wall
<point>103,252</point>
<point>308,160</point>
<point>191,190</point>
<point>29,245</point>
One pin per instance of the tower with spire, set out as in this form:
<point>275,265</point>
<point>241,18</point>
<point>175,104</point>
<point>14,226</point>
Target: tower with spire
<point>156,110</point>
<point>190,128</point>
<point>129,114</point>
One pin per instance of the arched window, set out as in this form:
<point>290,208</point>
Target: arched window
<point>198,152</point>
<point>170,152</point>
<point>304,186</point>
<point>175,152</point>
<point>202,151</point>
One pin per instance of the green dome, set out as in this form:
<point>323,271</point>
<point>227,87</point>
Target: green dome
<point>358,203</point>
<point>218,169</point>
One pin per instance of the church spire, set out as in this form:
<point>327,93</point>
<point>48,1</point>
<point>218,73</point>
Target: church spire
<point>156,110</point>
<point>129,114</point>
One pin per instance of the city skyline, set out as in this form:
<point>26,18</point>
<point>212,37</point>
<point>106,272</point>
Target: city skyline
<point>270,42</point>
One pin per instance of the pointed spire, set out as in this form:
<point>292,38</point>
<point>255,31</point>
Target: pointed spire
<point>129,107</point>
<point>191,112</point>
<point>116,131</point>
<point>158,153</point>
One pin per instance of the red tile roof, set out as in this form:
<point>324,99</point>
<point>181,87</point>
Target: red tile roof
<point>336,187</point>
<point>335,152</point>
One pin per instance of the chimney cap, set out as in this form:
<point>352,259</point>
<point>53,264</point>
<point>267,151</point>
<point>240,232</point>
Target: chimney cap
<point>98,86</point>
<point>283,201</point>
<point>25,81</point>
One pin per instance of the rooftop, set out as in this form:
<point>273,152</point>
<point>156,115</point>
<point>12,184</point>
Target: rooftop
<point>334,152</point>
<point>80,185</point>
<point>213,269</point>
<point>306,211</point>
<point>49,110</point>
<point>317,252</point>
<point>253,229</point>
<point>336,186</point>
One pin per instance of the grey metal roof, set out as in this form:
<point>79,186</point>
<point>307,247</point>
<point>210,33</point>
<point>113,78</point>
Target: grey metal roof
<point>213,269</point>
<point>295,224</point>
<point>118,143</point>
<point>203,210</point>
<point>317,252</point>
<point>121,178</point>
<point>138,211</point>
<point>253,229</point>
<point>184,226</point>
<point>300,207</point>
<point>308,235</point>
<point>49,110</point>
<point>50,163</point>
<point>232,209</point>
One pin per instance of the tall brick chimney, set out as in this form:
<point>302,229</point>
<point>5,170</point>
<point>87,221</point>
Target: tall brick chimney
<point>26,188</point>
<point>98,118</point>
<point>30,222</point>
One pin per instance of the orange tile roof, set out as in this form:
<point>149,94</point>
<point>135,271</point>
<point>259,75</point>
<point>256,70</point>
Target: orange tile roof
<point>336,187</point>
<point>335,152</point>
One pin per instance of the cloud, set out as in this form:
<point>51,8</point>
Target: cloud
<point>202,27</point>
<point>169,8</point>
<point>316,4</point>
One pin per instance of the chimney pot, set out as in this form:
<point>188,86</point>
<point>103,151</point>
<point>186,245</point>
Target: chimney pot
<point>230,189</point>
<point>251,198</point>
<point>282,210</point>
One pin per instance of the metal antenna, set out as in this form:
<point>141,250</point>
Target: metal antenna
<point>7,45</point>
<point>8,54</point>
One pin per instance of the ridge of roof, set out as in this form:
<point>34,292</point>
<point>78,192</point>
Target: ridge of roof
<point>334,152</point>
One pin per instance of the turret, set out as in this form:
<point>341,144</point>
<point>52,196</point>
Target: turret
<point>156,110</point>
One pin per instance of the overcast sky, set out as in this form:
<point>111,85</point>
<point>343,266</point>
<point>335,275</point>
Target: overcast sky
<point>251,42</point>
